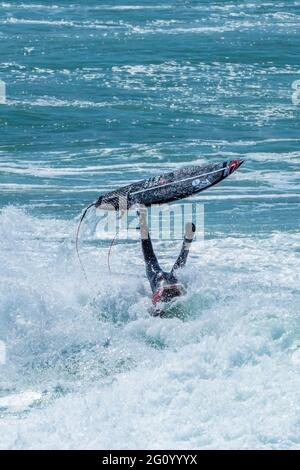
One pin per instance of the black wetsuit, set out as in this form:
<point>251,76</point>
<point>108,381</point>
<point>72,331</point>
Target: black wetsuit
<point>155,274</point>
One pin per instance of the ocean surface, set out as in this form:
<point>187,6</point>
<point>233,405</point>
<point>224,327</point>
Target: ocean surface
<point>101,94</point>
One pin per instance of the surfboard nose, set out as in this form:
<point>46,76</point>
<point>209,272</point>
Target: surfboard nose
<point>234,165</point>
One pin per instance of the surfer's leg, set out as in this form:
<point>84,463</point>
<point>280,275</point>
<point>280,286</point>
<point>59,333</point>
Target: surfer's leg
<point>152,265</point>
<point>190,230</point>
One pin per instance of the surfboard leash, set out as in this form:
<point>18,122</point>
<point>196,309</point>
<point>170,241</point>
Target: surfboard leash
<point>77,238</point>
<point>110,250</point>
<point>113,243</point>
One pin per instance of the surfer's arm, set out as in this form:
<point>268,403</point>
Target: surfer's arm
<point>190,230</point>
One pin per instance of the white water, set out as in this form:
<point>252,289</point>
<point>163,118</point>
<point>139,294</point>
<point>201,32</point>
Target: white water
<point>85,370</point>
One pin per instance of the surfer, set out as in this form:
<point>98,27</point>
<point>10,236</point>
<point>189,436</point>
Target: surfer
<point>164,285</point>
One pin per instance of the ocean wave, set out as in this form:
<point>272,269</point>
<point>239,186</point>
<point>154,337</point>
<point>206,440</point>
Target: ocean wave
<point>53,102</point>
<point>28,6</point>
<point>59,22</point>
<point>74,7</point>
<point>68,342</point>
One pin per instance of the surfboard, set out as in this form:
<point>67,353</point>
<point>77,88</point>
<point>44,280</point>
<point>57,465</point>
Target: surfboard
<point>168,187</point>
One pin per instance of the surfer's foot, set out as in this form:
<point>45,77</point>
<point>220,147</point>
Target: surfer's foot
<point>190,230</point>
<point>143,223</point>
<point>142,215</point>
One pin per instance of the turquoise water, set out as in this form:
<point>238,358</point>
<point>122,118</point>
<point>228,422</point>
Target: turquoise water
<point>100,94</point>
